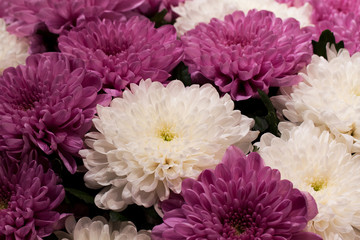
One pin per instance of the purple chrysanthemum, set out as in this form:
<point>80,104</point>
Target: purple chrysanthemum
<point>245,53</point>
<point>240,199</point>
<point>346,27</point>
<point>342,17</point>
<point>28,16</point>
<point>324,9</point>
<point>125,52</point>
<point>28,197</point>
<point>46,106</point>
<point>4,5</point>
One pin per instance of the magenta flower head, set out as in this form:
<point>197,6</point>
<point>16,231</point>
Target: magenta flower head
<point>28,16</point>
<point>4,5</point>
<point>125,52</point>
<point>28,198</point>
<point>240,199</point>
<point>46,107</point>
<point>346,28</point>
<point>245,53</point>
<point>324,9</point>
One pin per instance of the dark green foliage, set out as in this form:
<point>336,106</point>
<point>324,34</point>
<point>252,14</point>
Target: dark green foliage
<point>181,73</point>
<point>271,117</point>
<point>158,18</point>
<point>326,37</point>
<point>84,196</point>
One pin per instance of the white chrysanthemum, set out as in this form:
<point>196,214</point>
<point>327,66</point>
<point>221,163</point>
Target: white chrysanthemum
<point>329,96</point>
<point>13,50</point>
<point>99,229</point>
<point>156,136</point>
<point>192,12</point>
<point>314,162</point>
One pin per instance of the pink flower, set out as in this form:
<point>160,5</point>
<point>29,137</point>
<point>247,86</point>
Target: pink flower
<point>28,198</point>
<point>28,16</point>
<point>346,27</point>
<point>125,52</point>
<point>324,9</point>
<point>240,199</point>
<point>46,107</point>
<point>245,53</point>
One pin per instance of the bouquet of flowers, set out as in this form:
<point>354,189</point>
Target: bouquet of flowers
<point>179,119</point>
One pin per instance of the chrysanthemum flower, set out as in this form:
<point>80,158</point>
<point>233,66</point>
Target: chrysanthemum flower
<point>346,28</point>
<point>28,197</point>
<point>193,12</point>
<point>314,162</point>
<point>342,18</point>
<point>125,52</point>
<point>13,50</point>
<point>241,199</point>
<point>324,9</point>
<point>100,229</point>
<point>245,53</point>
<point>156,136</point>
<point>46,106</point>
<point>4,6</point>
<point>28,16</point>
<point>329,96</point>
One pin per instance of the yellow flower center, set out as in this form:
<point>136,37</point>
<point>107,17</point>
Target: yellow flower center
<point>356,91</point>
<point>3,203</point>
<point>318,183</point>
<point>166,132</point>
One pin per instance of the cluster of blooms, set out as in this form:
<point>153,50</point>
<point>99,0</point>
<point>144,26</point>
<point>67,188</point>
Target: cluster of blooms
<point>96,90</point>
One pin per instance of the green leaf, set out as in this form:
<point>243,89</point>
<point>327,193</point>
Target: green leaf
<point>260,124</point>
<point>87,198</point>
<point>181,73</point>
<point>326,37</point>
<point>158,19</point>
<point>271,117</point>
<point>152,216</point>
<point>115,216</point>
<point>255,149</point>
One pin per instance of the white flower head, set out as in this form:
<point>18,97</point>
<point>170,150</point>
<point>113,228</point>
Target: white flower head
<point>13,50</point>
<point>100,229</point>
<point>328,96</point>
<point>192,12</point>
<point>315,162</point>
<point>156,136</point>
